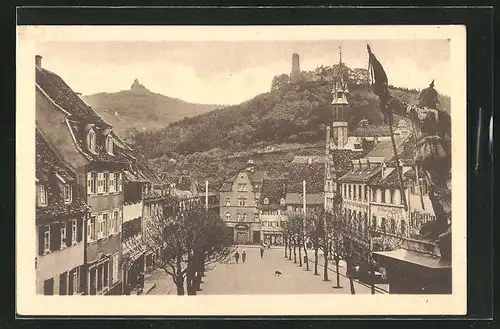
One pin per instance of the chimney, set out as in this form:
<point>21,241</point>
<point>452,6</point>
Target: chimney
<point>327,147</point>
<point>38,61</point>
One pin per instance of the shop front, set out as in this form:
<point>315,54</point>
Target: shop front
<point>133,272</point>
<point>241,234</point>
<point>272,236</point>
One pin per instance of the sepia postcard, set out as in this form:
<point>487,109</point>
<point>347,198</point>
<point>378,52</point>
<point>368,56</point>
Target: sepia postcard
<point>241,170</point>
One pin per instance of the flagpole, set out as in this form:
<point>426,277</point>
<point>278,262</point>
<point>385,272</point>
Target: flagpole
<point>206,195</point>
<point>398,169</point>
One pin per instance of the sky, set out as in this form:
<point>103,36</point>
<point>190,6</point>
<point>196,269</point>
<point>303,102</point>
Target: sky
<point>230,72</point>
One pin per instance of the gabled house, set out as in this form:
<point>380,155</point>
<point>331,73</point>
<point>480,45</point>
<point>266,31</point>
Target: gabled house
<point>239,197</point>
<point>86,145</point>
<point>61,217</point>
<point>272,208</point>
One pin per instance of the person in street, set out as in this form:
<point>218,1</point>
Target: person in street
<point>237,257</point>
<point>244,256</point>
<point>261,251</point>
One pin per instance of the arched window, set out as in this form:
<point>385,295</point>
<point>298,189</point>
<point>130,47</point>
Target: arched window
<point>266,200</point>
<point>109,144</point>
<point>245,217</point>
<point>91,140</point>
<point>238,217</point>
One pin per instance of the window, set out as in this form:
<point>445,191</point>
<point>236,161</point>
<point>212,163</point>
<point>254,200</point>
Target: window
<point>242,202</point>
<point>256,202</point>
<point>63,283</point>
<point>393,225</point>
<point>411,184</point>
<point>228,202</point>
<point>109,144</point>
<point>238,217</point>
<point>242,187</point>
<point>114,273</point>
<point>91,228</point>
<point>282,201</point>
<point>113,223</point>
<point>91,140</point>
<point>345,190</point>
<point>374,222</point>
<point>424,186</point>
<point>73,231</point>
<point>118,182</point>
<point>266,200</point>
<point>67,193</point>
<point>106,182</point>
<point>73,282</point>
<point>245,217</point>
<point>106,275</point>
<point>99,277</point>
<point>112,183</point>
<point>383,224</point>
<point>350,195</point>
<point>403,227</point>
<point>48,287</point>
<point>46,239</point>
<point>366,193</point>
<point>63,236</point>
<point>383,196</point>
<point>354,191</point>
<point>105,224</point>
<point>91,183</point>
<point>256,217</point>
<point>228,216</point>
<point>41,195</point>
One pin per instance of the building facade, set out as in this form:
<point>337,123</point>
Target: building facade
<point>272,209</point>
<point>60,222</point>
<point>239,199</point>
<point>85,143</point>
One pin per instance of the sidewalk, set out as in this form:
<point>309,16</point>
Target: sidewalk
<point>159,283</point>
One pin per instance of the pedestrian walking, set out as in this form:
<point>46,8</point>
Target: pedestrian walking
<point>244,256</point>
<point>237,257</point>
<point>261,251</point>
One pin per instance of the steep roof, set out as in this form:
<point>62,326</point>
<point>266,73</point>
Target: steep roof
<point>385,150</point>
<point>274,190</point>
<point>255,177</point>
<point>48,168</point>
<point>55,87</point>
<point>311,198</point>
<point>362,175</point>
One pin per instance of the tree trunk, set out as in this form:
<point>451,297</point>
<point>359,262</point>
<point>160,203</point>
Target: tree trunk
<point>351,283</point>
<point>337,260</point>
<point>300,251</point>
<point>290,248</point>
<point>316,260</point>
<point>306,259</point>
<point>286,246</point>
<point>179,283</point>
<point>294,251</point>
<point>325,266</point>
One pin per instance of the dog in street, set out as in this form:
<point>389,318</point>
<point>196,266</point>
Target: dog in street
<point>277,273</point>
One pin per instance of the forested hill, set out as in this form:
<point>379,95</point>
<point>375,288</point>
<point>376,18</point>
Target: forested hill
<point>289,113</point>
<point>140,109</point>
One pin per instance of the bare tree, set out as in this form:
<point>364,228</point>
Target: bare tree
<point>185,241</point>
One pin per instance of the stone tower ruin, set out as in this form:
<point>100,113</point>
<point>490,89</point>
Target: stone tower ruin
<point>295,75</point>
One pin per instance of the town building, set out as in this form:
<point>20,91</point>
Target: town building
<point>61,217</point>
<point>239,198</point>
<point>85,143</point>
<point>313,174</point>
<point>272,209</point>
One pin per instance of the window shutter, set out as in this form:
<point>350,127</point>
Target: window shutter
<point>89,183</point>
<point>111,182</point>
<point>119,182</point>
<point>89,229</point>
<point>69,232</point>
<point>79,229</point>
<point>100,181</point>
<point>55,236</point>
<point>41,229</point>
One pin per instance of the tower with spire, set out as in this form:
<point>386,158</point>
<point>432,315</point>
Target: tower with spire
<point>340,107</point>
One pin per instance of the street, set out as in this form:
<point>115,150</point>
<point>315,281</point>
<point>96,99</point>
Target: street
<point>256,276</point>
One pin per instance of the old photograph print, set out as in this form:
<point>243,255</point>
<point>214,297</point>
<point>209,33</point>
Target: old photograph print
<point>202,168</point>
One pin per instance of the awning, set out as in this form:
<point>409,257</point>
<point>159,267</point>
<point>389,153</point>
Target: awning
<point>416,258</point>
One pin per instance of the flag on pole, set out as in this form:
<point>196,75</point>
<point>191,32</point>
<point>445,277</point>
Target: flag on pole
<point>380,85</point>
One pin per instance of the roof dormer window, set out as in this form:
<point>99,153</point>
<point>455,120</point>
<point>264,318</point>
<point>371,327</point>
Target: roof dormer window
<point>282,201</point>
<point>109,144</point>
<point>68,194</point>
<point>266,200</point>
<point>41,195</point>
<point>91,140</point>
